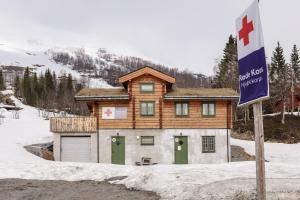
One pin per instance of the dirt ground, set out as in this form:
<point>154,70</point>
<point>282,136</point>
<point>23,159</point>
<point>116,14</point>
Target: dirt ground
<point>238,154</point>
<point>19,189</point>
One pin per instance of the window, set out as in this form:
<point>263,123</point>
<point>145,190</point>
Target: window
<point>147,108</point>
<point>147,87</point>
<point>208,144</point>
<point>147,140</point>
<point>182,109</point>
<point>208,109</point>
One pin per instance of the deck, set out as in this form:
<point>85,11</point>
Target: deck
<point>73,124</point>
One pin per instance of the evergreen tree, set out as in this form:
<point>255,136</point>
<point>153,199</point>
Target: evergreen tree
<point>295,73</point>
<point>54,79</point>
<point>279,78</point>
<point>34,86</point>
<point>227,72</point>
<point>295,64</point>
<point>26,86</point>
<point>70,87</point>
<point>49,83</point>
<point>2,82</point>
<point>17,87</point>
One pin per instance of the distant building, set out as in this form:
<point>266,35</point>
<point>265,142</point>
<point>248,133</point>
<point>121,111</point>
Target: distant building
<point>279,104</point>
<point>10,73</point>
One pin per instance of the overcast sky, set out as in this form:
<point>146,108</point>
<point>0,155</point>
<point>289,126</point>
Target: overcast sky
<point>185,34</point>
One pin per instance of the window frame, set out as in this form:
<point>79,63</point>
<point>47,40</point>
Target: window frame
<point>205,150</point>
<point>208,115</point>
<point>147,83</point>
<point>188,108</point>
<point>143,144</point>
<point>147,115</point>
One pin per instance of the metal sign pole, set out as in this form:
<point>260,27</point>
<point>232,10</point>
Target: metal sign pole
<point>259,151</point>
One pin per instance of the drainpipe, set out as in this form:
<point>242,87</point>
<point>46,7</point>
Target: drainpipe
<point>96,107</point>
<point>227,132</point>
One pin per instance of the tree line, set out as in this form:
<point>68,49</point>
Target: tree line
<point>49,92</point>
<point>283,76</point>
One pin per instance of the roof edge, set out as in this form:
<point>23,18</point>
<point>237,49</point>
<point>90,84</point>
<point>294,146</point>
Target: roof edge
<point>199,97</point>
<point>117,97</point>
<point>165,74</point>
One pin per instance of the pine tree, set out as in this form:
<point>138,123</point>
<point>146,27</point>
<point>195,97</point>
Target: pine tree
<point>227,72</point>
<point>49,90</point>
<point>17,86</point>
<point>295,73</point>
<point>26,88</point>
<point>70,87</point>
<point>2,82</point>
<point>34,86</point>
<point>295,63</point>
<point>279,77</point>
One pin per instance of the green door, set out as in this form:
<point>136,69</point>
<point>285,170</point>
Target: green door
<point>118,150</point>
<point>181,150</point>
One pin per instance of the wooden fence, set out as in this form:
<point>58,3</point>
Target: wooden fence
<point>73,124</point>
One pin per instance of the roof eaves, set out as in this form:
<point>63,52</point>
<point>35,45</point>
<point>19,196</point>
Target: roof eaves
<point>198,97</point>
<point>112,97</point>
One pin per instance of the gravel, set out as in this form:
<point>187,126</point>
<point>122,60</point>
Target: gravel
<point>20,189</point>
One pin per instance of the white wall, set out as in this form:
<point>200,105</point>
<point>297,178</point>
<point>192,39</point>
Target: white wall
<point>163,149</point>
<point>57,144</point>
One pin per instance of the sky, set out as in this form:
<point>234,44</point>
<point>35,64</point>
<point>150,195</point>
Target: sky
<point>188,34</point>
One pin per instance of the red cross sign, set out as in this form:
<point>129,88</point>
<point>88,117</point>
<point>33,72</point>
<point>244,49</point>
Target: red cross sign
<point>108,112</point>
<point>245,31</point>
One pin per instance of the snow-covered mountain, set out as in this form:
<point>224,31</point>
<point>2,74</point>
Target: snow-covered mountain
<point>39,60</point>
<point>94,67</point>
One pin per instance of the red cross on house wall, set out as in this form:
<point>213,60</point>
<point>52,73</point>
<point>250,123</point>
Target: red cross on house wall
<point>245,31</point>
<point>108,112</point>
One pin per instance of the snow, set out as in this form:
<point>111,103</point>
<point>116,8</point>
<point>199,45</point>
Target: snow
<point>274,152</point>
<point>10,55</point>
<point>202,181</point>
<point>7,92</point>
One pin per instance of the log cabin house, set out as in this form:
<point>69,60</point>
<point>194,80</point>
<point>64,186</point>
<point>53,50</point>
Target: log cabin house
<point>148,118</point>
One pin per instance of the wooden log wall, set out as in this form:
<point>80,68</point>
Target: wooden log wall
<point>164,115</point>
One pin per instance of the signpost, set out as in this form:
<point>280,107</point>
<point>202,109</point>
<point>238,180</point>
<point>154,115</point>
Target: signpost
<point>254,82</point>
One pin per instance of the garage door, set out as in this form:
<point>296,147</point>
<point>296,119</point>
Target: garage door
<point>76,149</point>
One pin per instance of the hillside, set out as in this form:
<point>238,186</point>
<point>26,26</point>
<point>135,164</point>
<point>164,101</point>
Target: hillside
<point>274,131</point>
<point>94,67</point>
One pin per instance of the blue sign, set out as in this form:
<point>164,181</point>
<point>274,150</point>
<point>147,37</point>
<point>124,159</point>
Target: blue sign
<point>253,76</point>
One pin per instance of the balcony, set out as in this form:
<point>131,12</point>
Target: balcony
<point>73,124</point>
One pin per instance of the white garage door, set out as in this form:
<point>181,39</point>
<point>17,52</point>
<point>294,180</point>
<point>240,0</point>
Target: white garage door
<point>76,149</point>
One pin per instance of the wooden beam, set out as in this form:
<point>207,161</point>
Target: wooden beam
<point>259,151</point>
<point>160,114</point>
<point>133,112</point>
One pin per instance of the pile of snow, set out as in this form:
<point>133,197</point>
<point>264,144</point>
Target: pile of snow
<point>202,181</point>
<point>7,92</point>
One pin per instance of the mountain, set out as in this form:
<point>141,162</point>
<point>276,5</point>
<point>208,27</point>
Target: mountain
<point>93,67</point>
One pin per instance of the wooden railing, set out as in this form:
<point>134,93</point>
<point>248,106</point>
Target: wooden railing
<point>73,124</point>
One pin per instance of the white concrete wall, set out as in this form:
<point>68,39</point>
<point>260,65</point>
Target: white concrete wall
<point>57,143</point>
<point>163,149</point>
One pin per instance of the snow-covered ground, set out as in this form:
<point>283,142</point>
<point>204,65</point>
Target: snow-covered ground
<point>203,181</point>
<point>274,152</point>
